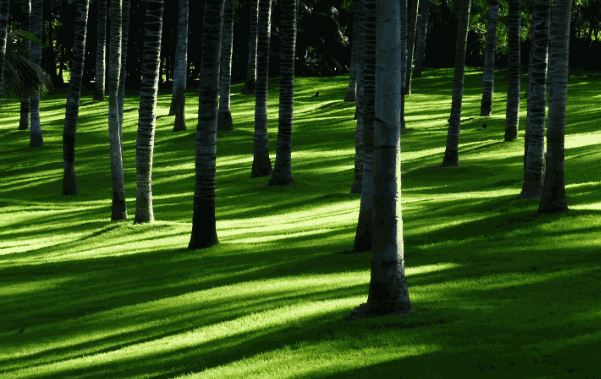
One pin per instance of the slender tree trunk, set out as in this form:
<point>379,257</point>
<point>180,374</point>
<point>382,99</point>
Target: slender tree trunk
<point>261,162</point>
<point>421,36</point>
<point>24,113</point>
<point>282,173</point>
<point>37,28</point>
<point>553,197</point>
<point>403,66</point>
<point>512,117</point>
<point>251,68</point>
<point>180,75</point>
<point>537,100</point>
<point>118,208</point>
<point>359,46</point>
<point>363,233</point>
<point>99,77</point>
<point>4,6</point>
<point>73,96</point>
<point>411,44</point>
<point>351,93</point>
<point>451,155</point>
<point>489,58</point>
<point>224,116</point>
<point>149,87</point>
<point>123,74</point>
<point>388,292</point>
<point>204,228</point>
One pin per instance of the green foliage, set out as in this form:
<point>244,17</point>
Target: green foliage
<point>498,291</point>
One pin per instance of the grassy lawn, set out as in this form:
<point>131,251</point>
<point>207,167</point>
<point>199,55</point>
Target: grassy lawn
<point>498,291</point>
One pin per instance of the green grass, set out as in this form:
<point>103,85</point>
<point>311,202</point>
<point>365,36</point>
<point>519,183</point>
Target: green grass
<point>498,291</point>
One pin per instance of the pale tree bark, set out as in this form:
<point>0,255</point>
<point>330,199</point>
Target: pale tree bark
<point>73,96</point>
<point>512,115</point>
<point>421,36</point>
<point>251,68</point>
<point>282,172</point>
<point>534,141</point>
<point>411,29</point>
<point>351,92</point>
<point>358,47</point>
<point>24,111</point>
<point>363,233</point>
<point>261,162</point>
<point>553,197</point>
<point>100,77</point>
<point>123,74</point>
<point>4,6</point>
<point>149,87</point>
<point>403,66</point>
<point>224,115</point>
<point>180,74</point>
<point>451,155</point>
<point>118,207</point>
<point>388,292</point>
<point>488,80</point>
<point>204,228</point>
<point>37,29</point>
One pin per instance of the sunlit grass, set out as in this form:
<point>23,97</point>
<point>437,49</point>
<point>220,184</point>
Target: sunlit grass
<point>498,291</point>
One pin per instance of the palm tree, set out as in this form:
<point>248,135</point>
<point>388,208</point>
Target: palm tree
<point>4,6</point>
<point>224,115</point>
<point>489,58</point>
<point>363,233</point>
<point>537,101</point>
<point>149,86</point>
<point>451,155</point>
<point>358,46</point>
<point>403,66</point>
<point>73,96</point>
<point>100,50</point>
<point>351,93</point>
<point>180,75</point>
<point>512,116</point>
<point>251,68</point>
<point>37,29</point>
<point>204,228</point>
<point>123,75</point>
<point>388,293</point>
<point>421,36</point>
<point>24,110</point>
<point>261,162</point>
<point>411,44</point>
<point>118,208</point>
<point>282,173</point>
<point>553,197</point>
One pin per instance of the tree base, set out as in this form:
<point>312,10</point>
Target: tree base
<point>118,209</point>
<point>36,140</point>
<point>261,166</point>
<point>180,124</point>
<point>69,182</point>
<point>367,310</point>
<point>451,159</point>
<point>224,121</point>
<point>280,179</point>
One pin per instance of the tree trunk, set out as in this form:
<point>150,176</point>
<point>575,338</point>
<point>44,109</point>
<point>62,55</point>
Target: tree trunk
<point>512,116</point>
<point>363,233</point>
<point>421,36</point>
<point>37,29</point>
<point>403,65</point>
<point>224,116</point>
<point>251,68</point>
<point>204,228</point>
<point>24,109</point>
<point>451,155</point>
<point>489,58</point>
<point>149,87</point>
<point>118,208</point>
<point>123,74</point>
<point>261,162</point>
<point>388,292</point>
<point>73,96</point>
<point>553,197</point>
<point>180,75</point>
<point>351,93</point>
<point>411,44</point>
<point>537,100</point>
<point>282,173</point>
<point>358,46</point>
<point>99,77</point>
<point>4,6</point>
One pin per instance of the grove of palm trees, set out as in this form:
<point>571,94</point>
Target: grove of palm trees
<point>300,188</point>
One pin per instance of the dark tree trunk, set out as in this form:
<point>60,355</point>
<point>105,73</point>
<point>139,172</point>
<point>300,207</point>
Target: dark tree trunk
<point>100,77</point>
<point>37,29</point>
<point>124,50</point>
<point>4,6</point>
<point>411,28</point>
<point>512,116</point>
<point>25,105</point>
<point>251,68</point>
<point>224,116</point>
<point>488,80</point>
<point>421,36</point>
<point>180,76</point>
<point>359,47</point>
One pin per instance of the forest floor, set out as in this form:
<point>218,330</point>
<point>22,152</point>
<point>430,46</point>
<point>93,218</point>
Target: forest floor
<point>497,290</point>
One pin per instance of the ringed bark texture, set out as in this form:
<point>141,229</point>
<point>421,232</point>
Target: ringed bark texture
<point>553,197</point>
<point>451,155</point>
<point>204,229</point>
<point>99,78</point>
<point>149,87</point>
<point>512,115</point>
<point>251,68</point>
<point>37,29</point>
<point>282,173</point>
<point>180,75</point>
<point>73,96</point>
<point>123,74</point>
<point>224,116</point>
<point>261,162</point>
<point>489,58</point>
